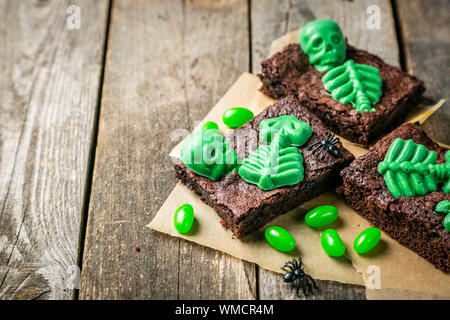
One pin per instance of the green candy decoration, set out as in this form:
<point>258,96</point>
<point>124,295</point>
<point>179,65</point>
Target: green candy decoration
<point>236,117</point>
<point>323,43</point>
<point>277,164</point>
<point>272,166</point>
<point>184,218</point>
<point>410,169</point>
<point>358,84</point>
<point>280,238</point>
<point>446,187</point>
<point>206,153</point>
<point>321,216</point>
<point>367,240</point>
<point>443,208</point>
<point>298,132</point>
<point>210,125</point>
<point>332,243</point>
<point>348,82</point>
<point>447,222</point>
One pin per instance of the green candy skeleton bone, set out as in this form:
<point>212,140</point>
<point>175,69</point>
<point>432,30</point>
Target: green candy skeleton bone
<point>348,82</point>
<point>277,164</point>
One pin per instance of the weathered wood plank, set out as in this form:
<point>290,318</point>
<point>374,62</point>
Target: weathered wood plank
<point>272,19</point>
<point>168,63</point>
<point>49,81</point>
<point>425,28</point>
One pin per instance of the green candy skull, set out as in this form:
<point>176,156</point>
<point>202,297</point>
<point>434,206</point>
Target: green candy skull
<point>323,43</point>
<point>207,153</point>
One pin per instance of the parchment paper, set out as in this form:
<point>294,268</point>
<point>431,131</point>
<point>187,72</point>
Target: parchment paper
<point>403,274</point>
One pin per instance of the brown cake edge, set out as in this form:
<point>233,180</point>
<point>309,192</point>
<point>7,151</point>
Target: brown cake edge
<point>390,221</point>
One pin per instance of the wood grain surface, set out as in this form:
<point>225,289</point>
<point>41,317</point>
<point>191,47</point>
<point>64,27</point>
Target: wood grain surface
<point>49,84</point>
<point>72,193</point>
<point>426,39</point>
<point>156,87</point>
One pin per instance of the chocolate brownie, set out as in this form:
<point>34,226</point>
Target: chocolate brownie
<point>245,207</point>
<point>289,73</point>
<point>409,220</point>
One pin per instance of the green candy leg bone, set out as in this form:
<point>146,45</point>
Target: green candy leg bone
<point>410,169</point>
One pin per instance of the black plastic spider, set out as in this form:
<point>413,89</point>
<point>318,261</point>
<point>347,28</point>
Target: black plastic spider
<point>295,271</point>
<point>326,145</point>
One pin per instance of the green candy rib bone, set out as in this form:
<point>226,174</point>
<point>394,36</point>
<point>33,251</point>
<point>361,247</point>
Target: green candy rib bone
<point>358,84</point>
<point>410,169</point>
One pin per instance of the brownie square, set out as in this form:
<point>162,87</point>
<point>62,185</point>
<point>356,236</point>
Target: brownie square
<point>244,207</point>
<point>289,73</point>
<point>409,220</point>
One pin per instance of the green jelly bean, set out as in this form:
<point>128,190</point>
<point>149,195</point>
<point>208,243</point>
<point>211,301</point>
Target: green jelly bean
<point>236,117</point>
<point>280,239</point>
<point>321,216</point>
<point>367,240</point>
<point>332,243</point>
<point>184,218</point>
<point>210,125</point>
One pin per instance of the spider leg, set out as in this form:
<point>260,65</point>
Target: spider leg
<point>324,149</point>
<point>304,287</point>
<point>315,143</point>
<point>312,280</point>
<point>320,150</point>
<point>287,266</point>
<point>319,145</point>
<point>328,135</point>
<point>308,285</point>
<point>297,286</point>
<point>334,141</point>
<point>292,265</point>
<point>324,155</point>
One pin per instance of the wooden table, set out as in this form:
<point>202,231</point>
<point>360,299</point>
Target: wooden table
<point>89,113</point>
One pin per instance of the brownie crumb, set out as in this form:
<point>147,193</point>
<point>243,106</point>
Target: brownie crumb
<point>223,224</point>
